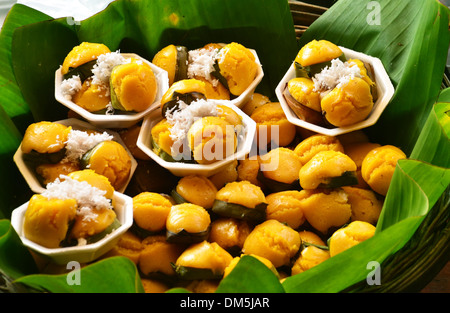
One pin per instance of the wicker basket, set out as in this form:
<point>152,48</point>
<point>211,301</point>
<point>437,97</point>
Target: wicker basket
<point>421,259</point>
<point>428,251</point>
<point>304,14</point>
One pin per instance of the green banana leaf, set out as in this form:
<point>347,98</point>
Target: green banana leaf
<point>15,114</point>
<point>111,275</point>
<point>251,276</point>
<point>411,39</point>
<point>15,260</point>
<point>14,189</point>
<point>12,100</point>
<point>439,153</point>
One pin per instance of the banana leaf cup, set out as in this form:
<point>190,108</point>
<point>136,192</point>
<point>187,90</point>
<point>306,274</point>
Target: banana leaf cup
<point>307,118</point>
<point>189,167</point>
<point>122,118</point>
<point>81,253</point>
<point>28,167</point>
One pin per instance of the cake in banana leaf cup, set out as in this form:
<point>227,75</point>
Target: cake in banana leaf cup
<point>86,144</point>
<point>230,71</point>
<point>124,88</point>
<point>78,218</point>
<point>312,113</point>
<point>188,161</point>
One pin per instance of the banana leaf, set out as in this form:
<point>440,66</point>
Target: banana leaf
<point>15,114</point>
<point>15,260</point>
<point>12,101</point>
<point>411,39</point>
<point>111,275</point>
<point>14,189</point>
<point>251,276</point>
<point>435,150</point>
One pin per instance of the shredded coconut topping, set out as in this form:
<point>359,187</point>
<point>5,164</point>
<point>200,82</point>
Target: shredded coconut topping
<point>79,142</point>
<point>336,75</point>
<point>101,74</point>
<point>70,86</point>
<point>201,63</point>
<point>87,196</point>
<point>87,213</point>
<point>103,68</point>
<point>109,109</point>
<point>182,118</point>
<point>221,54</point>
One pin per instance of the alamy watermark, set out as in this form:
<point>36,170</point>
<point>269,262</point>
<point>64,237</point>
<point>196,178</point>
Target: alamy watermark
<point>374,16</point>
<point>374,276</point>
<point>74,276</point>
<point>214,144</point>
<point>71,21</point>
